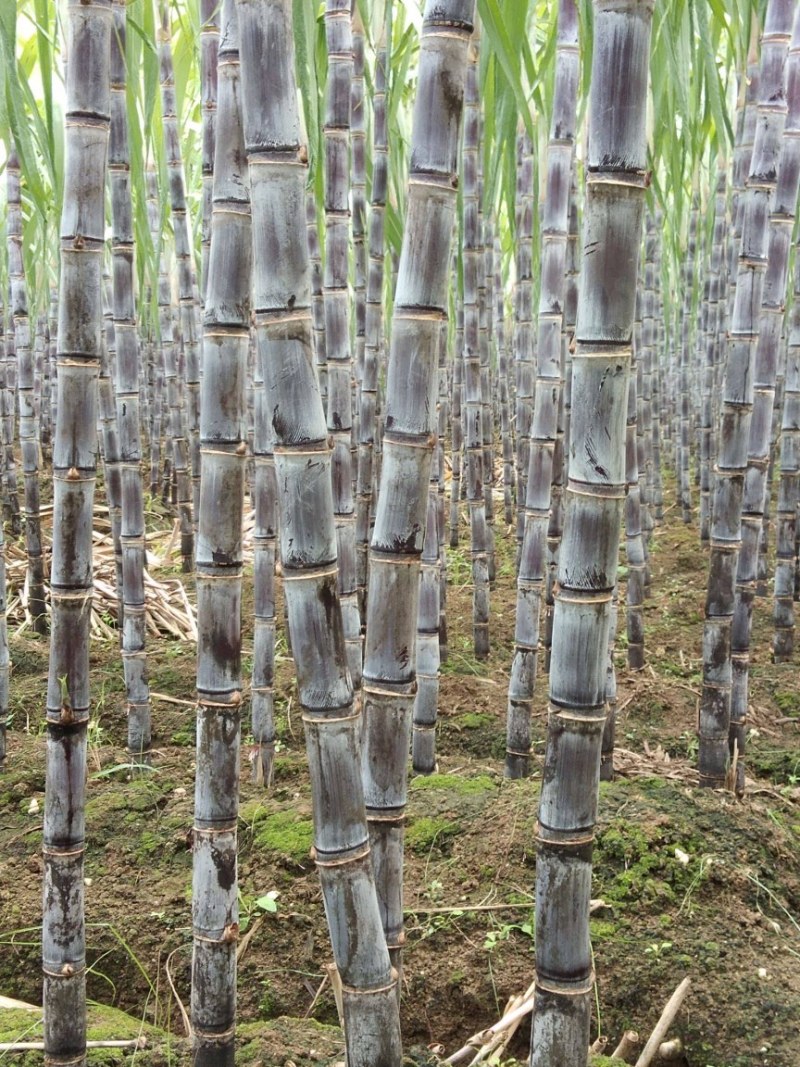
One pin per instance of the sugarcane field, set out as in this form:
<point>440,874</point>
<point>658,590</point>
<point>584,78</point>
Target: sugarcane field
<point>400,538</point>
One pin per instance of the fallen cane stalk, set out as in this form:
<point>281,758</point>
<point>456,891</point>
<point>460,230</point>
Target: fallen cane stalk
<point>662,1026</point>
<point>496,1037</point>
<point>483,1037</point>
<point>595,904</point>
<point>502,1038</point>
<point>38,1046</point>
<point>627,1046</point>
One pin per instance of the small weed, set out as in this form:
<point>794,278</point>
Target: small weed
<point>658,948</point>
<point>504,932</point>
<point>251,908</point>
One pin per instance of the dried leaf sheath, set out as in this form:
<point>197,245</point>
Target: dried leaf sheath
<point>80,328</point>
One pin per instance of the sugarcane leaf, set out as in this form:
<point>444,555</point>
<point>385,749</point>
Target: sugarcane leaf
<point>507,52</point>
<point>305,34</point>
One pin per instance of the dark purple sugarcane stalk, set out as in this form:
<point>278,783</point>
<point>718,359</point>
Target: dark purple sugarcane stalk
<point>549,372</point>
<point>738,395</point>
<point>769,348</point>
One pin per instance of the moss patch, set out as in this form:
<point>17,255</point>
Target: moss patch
<point>454,783</point>
<point>303,1042</point>
<point>285,833</point>
<point>426,833</point>
<point>104,1024</point>
<point>473,720</point>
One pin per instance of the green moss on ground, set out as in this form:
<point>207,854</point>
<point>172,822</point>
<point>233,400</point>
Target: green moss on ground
<point>303,1042</point>
<point>426,833</point>
<point>104,1024</point>
<point>285,833</point>
<point>473,720</point>
<point>454,783</point>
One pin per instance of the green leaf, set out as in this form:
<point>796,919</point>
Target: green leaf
<point>269,902</point>
<point>508,53</point>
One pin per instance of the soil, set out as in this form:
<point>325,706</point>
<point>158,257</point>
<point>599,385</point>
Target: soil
<point>692,882</point>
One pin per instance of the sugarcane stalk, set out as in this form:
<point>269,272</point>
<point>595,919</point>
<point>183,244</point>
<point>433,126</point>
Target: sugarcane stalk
<point>634,541</point>
<point>788,490</point>
<point>555,527</point>
<point>358,199</point>
<point>475,377</point>
<point>523,315</point>
<point>769,350</point>
<point>265,531</point>
<point>408,444</point>
<point>156,382</point>
<point>209,50</point>
<point>457,421</point>
<point>186,465</point>
<point>737,409</point>
<point>336,137</point>
<point>712,341</point>
<point>80,329</point>
<point>426,701</point>
<point>506,430</point>
<point>26,397</point>
<point>215,910</point>
<point>132,530</point>
<point>10,496</point>
<point>373,319</point>
<point>549,370</point>
<point>615,190</point>
<point>109,439</point>
<point>282,306</point>
<point>317,298</point>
